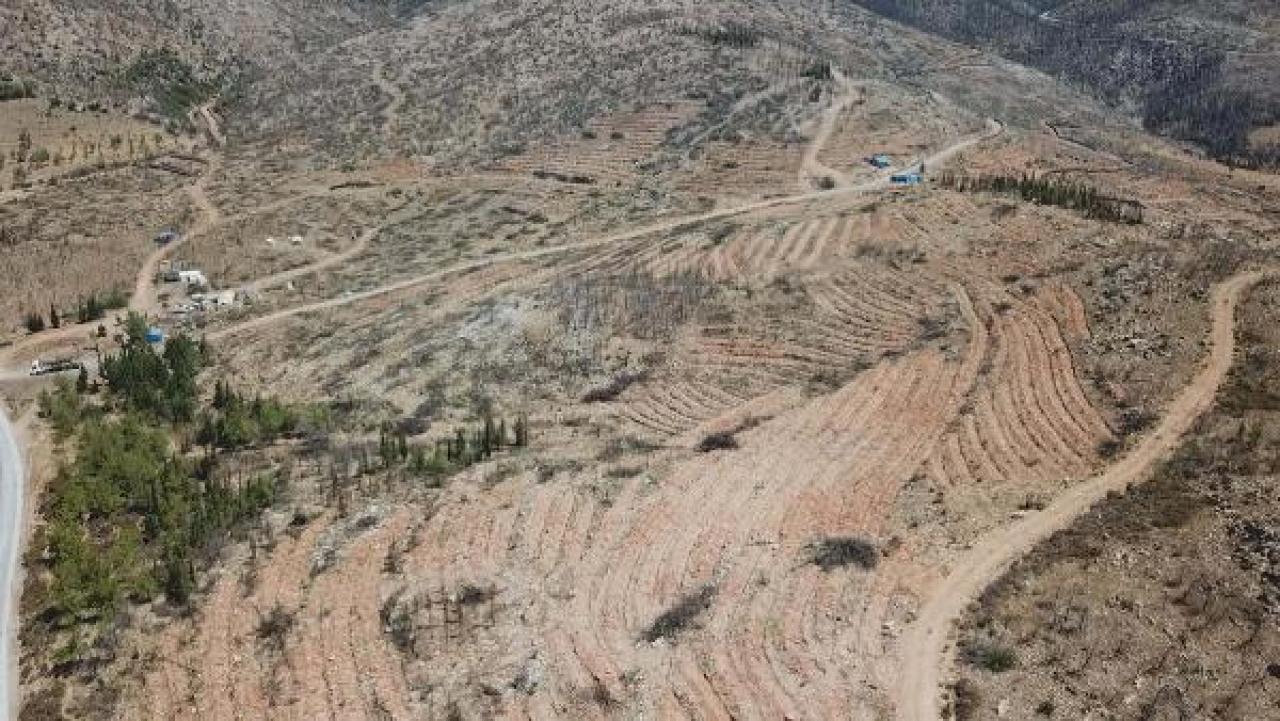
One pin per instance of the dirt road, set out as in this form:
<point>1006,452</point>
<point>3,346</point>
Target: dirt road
<point>211,123</point>
<point>391,113</point>
<point>811,167</point>
<point>358,246</point>
<point>926,652</point>
<point>994,129</point>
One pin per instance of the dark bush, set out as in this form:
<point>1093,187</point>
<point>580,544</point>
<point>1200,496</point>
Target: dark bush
<point>838,552</point>
<point>274,627</point>
<point>471,595</point>
<point>614,388</point>
<point>991,656</point>
<point>677,618</point>
<point>720,441</point>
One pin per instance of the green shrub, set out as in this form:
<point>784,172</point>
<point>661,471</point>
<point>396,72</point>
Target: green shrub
<point>991,656</point>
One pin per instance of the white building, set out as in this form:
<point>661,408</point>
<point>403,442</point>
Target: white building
<point>193,277</point>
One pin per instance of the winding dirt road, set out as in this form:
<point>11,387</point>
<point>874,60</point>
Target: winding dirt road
<point>926,651</point>
<point>994,129</point>
<point>811,167</point>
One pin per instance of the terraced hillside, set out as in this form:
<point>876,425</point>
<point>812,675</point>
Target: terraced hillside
<point>572,360</point>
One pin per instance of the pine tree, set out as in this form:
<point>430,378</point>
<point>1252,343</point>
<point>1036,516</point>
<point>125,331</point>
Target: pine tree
<point>34,322</point>
<point>487,439</point>
<point>522,431</point>
<point>54,319</point>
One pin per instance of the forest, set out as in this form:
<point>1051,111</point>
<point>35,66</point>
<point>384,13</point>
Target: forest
<point>133,515</point>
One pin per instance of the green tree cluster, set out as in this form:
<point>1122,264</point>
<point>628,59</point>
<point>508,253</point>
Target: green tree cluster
<point>238,422</point>
<point>16,89</point>
<point>467,446</point>
<point>151,381</point>
<point>1050,191</point>
<point>129,517</point>
<point>94,306</point>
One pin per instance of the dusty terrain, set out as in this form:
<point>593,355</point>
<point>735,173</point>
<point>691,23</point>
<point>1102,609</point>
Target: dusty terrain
<point>786,418</point>
<point>1170,587</point>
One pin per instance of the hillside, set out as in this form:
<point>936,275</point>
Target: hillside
<point>589,359</point>
<point>1202,72</point>
<point>105,53</point>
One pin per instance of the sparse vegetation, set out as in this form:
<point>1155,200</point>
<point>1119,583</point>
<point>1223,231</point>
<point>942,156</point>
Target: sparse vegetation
<point>719,441</point>
<point>677,619</point>
<point>833,553</point>
<point>990,656</point>
<point>1184,87</point>
<point>169,82</point>
<point>438,218</point>
<point>1047,191</point>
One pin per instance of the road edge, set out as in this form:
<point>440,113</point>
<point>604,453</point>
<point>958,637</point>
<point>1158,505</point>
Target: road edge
<point>12,475</point>
<point>928,651</point>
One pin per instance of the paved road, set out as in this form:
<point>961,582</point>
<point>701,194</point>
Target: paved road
<point>11,515</point>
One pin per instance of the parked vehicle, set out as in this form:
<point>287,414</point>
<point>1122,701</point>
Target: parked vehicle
<point>41,367</point>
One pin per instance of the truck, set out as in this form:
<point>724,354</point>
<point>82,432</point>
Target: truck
<point>40,367</point>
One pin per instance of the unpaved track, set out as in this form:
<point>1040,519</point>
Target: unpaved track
<point>391,113</point>
<point>357,247</point>
<point>925,651</point>
<point>811,168</point>
<point>994,129</point>
<point>144,298</point>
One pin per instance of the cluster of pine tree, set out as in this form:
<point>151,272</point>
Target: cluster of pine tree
<point>466,447</point>
<point>130,517</point>
<point>162,384</point>
<point>238,422</point>
<point>88,309</point>
<point>1048,191</point>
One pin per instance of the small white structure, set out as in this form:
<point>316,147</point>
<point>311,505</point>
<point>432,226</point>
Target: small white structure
<point>193,277</point>
<point>225,298</point>
<point>296,240</point>
<point>271,241</point>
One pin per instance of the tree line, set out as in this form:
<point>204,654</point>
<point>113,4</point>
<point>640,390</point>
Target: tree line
<point>1048,191</point>
<point>88,309</point>
<point>16,88</point>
